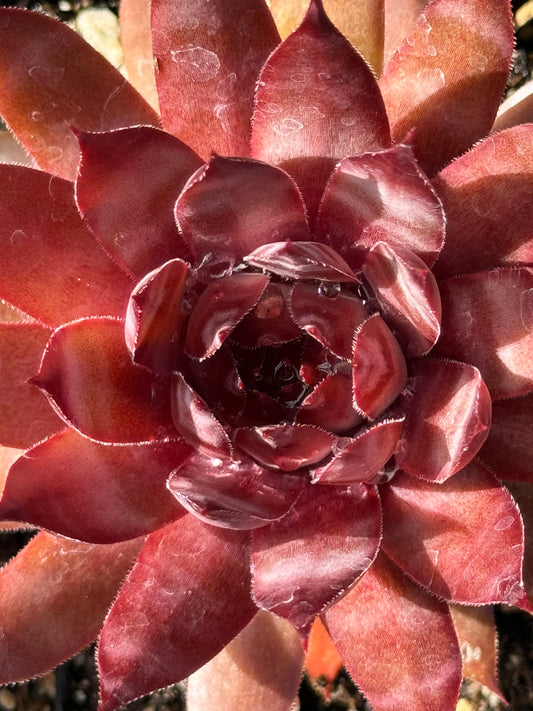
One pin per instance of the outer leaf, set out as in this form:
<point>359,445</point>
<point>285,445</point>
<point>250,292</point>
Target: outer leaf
<point>438,72</point>
<point>448,419</point>
<point>89,377</point>
<point>516,109</point>
<point>11,151</point>
<point>136,42</point>
<point>299,567</point>
<point>523,494</point>
<point>56,80</point>
<point>185,599</point>
<point>25,416</point>
<point>487,320</point>
<point>462,539</point>
<point>93,492</point>
<point>55,591</point>
<point>261,668</point>
<point>361,22</point>
<point>485,229</point>
<point>51,266</point>
<point>397,641</point>
<point>205,88</point>
<point>126,189</point>
<point>399,20</point>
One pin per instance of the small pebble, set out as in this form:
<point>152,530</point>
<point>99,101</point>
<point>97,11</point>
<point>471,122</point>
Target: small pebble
<point>99,27</point>
<point>7,700</point>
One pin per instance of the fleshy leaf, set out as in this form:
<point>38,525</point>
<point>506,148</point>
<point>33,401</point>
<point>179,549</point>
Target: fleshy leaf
<point>56,80</point>
<point>93,492</point>
<point>233,205</point>
<point>221,306</point>
<point>483,228</point>
<point>379,371</point>
<point>462,539</point>
<point>136,42</point>
<point>509,447</point>
<point>400,18</point>
<point>522,493</point>
<point>89,377</point>
<point>408,295</point>
<point>387,617</point>
<point>361,459</point>
<point>21,348</point>
<point>487,320</point>
<point>155,316</point>
<point>299,567</point>
<point>54,590</point>
<point>11,151</point>
<point>448,419</point>
<point>437,72</point>
<point>126,189</point>
<point>263,666</point>
<point>287,447</point>
<point>517,108</point>
<point>185,599</point>
<point>51,266</point>
<point>204,84</point>
<point>270,323</point>
<point>381,197</point>
<point>234,492</point>
<point>329,405</point>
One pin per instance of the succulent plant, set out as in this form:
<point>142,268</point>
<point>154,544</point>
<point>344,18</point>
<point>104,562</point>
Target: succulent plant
<point>267,357</point>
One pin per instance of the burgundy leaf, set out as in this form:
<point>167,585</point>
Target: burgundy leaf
<point>381,197</point>
<point>205,88</point>
<point>270,323</point>
<point>285,446</point>
<point>126,189</point>
<point>462,539</point>
<point>399,21</point>
<point>436,72</point>
<point>187,596</point>
<point>118,491</point>
<point>136,42</point>
<point>56,80</point>
<point>329,405</point>
<point>299,567</point>
<point>387,617</point>
<point>408,295</point>
<point>90,379</point>
<point>362,458</point>
<point>448,419</point>
<point>221,306</point>
<point>234,492</point>
<point>488,321</point>
<point>378,367</point>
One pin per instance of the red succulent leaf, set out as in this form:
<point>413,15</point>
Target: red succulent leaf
<point>462,539</point>
<point>329,405</point>
<point>195,421</point>
<point>90,379</point>
<point>56,80</point>
<point>21,348</point>
<point>298,566</point>
<point>483,228</point>
<point>39,218</point>
<point>478,641</point>
<point>509,447</point>
<point>221,306</point>
<point>447,422</point>
<point>436,71</point>
<point>488,321</point>
<point>316,78</point>
<point>136,43</point>
<point>302,260</point>
<point>189,590</point>
<point>126,188</point>
<point>155,316</point>
<point>328,315</point>
<point>381,197</point>
<point>285,446</point>
<point>264,663</point>
<point>399,21</point>
<point>515,109</point>
<point>379,371</point>
<point>54,590</point>
<point>408,295</point>
<point>119,491</point>
<point>234,205</point>
<point>363,457</point>
<point>205,88</point>
<point>387,617</point>
<point>270,323</point>
<point>522,492</point>
<point>234,492</point>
